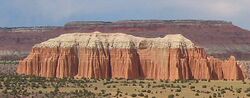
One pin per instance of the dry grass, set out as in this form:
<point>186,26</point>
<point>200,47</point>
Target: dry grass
<point>122,88</point>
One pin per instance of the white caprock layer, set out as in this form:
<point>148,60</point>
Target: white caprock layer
<point>115,40</point>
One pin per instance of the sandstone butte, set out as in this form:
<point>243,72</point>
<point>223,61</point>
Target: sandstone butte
<point>118,55</point>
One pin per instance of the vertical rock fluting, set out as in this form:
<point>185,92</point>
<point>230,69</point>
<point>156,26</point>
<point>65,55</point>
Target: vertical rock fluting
<point>50,62</point>
<point>128,59</point>
<point>102,55</point>
<point>94,63</point>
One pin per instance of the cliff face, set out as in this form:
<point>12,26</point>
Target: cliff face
<point>103,55</point>
<point>245,67</point>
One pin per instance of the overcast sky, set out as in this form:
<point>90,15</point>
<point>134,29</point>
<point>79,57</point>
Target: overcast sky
<point>58,12</point>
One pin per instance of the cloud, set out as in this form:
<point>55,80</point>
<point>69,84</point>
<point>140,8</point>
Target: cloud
<point>225,8</point>
<point>212,7</point>
<point>57,12</point>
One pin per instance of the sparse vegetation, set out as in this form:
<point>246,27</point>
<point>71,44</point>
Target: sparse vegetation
<point>12,85</point>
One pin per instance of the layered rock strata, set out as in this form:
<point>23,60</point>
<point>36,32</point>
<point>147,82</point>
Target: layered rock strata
<point>117,55</point>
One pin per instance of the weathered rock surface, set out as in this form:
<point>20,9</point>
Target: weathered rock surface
<point>111,55</point>
<point>245,67</point>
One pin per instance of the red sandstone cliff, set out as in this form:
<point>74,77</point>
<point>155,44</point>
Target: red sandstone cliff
<point>103,55</point>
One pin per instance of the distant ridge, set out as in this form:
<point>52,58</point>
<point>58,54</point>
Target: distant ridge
<point>80,23</point>
<point>219,38</point>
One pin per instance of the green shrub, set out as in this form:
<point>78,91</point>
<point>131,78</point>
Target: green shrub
<point>178,90</point>
<point>149,91</point>
<point>40,92</point>
<point>133,95</point>
<point>171,96</point>
<point>212,89</point>
<point>248,94</point>
<point>247,90</point>
<point>223,92</point>
<point>192,87</point>
<point>141,94</point>
<point>219,95</point>
<point>214,95</point>
<point>204,86</point>
<point>238,90</point>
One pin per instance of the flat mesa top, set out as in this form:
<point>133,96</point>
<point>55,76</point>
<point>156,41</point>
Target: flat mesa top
<point>115,40</point>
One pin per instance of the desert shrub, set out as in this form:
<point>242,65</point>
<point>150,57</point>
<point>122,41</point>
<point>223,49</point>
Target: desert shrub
<point>238,90</point>
<point>125,84</point>
<point>178,90</point>
<point>5,91</point>
<point>204,86</point>
<point>103,91</point>
<point>247,90</point>
<point>171,96</point>
<point>214,95</point>
<point>211,88</point>
<point>219,95</point>
<point>192,87</point>
<point>40,92</point>
<point>133,95</point>
<point>244,82</point>
<point>56,89</point>
<point>223,91</point>
<point>196,94</point>
<point>248,94</point>
<point>141,94</point>
<point>177,86</point>
<point>141,82</point>
<point>143,90</point>
<point>134,81</point>
<point>149,91</point>
<point>149,85</point>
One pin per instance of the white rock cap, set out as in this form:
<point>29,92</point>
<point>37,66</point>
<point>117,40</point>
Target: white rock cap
<point>116,40</point>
